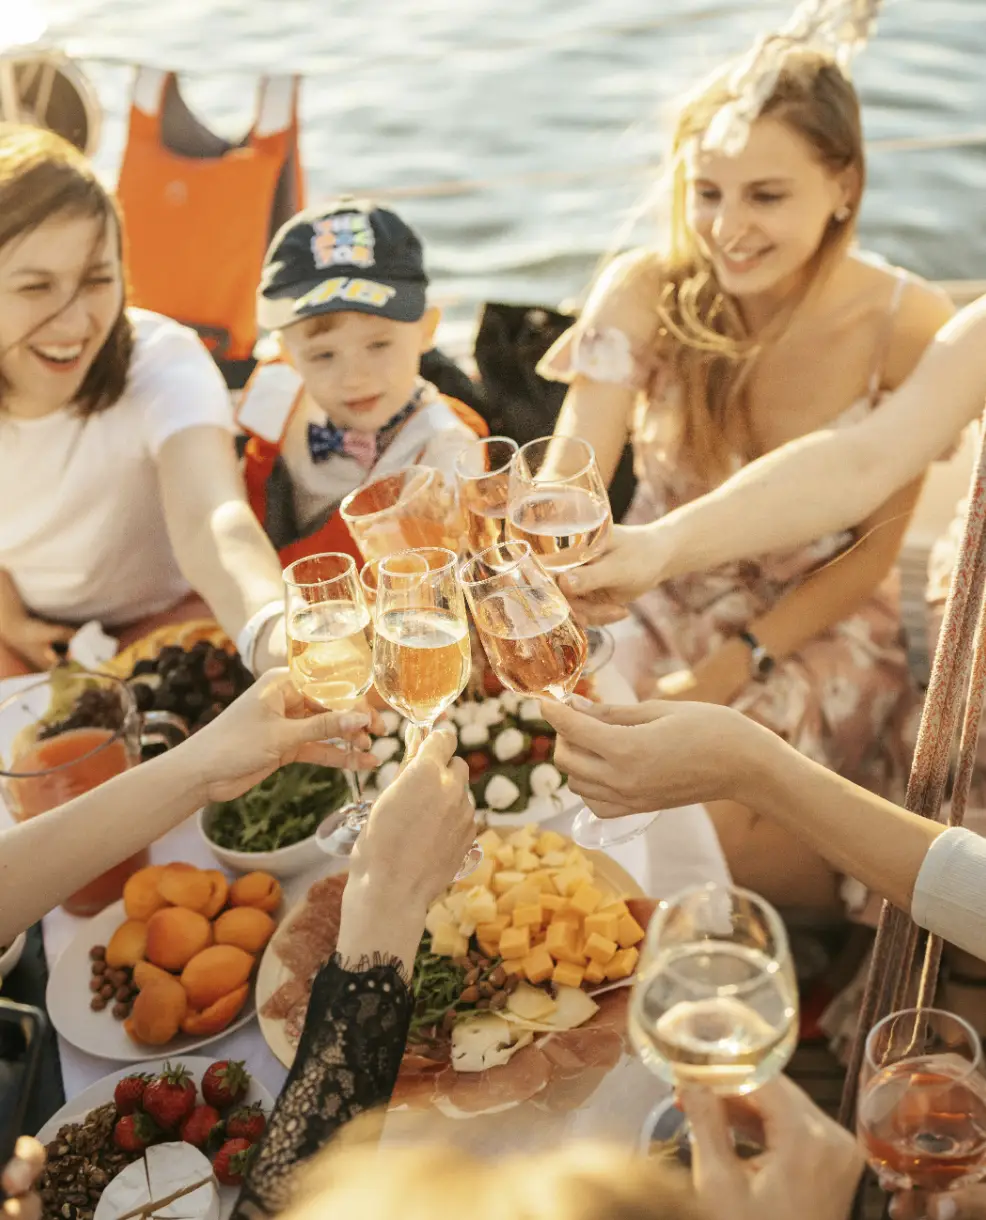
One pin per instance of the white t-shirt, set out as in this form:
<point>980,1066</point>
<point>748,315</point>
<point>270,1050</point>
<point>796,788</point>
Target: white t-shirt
<point>950,891</point>
<point>82,529</point>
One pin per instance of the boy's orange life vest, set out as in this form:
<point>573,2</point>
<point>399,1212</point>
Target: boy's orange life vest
<point>200,213</point>
<point>263,450</point>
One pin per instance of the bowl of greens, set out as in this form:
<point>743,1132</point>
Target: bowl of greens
<point>272,827</point>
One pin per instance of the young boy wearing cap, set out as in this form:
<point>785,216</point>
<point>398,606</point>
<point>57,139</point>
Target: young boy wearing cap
<point>344,289</point>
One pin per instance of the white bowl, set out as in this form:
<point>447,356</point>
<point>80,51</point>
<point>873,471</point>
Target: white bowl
<point>12,955</point>
<point>285,862</point>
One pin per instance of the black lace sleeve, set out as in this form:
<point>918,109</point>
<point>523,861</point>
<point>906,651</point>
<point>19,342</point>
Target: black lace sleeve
<point>347,1062</point>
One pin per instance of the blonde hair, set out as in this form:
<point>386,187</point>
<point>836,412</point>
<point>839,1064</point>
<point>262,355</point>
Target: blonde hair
<point>585,1181</point>
<point>704,341</point>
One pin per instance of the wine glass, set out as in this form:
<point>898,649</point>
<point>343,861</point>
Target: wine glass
<point>557,502</point>
<point>921,1115</point>
<point>482,472</point>
<point>715,1001</point>
<point>413,507</point>
<point>421,648</point>
<point>331,663</point>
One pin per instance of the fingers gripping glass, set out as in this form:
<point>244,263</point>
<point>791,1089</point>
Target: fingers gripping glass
<point>421,649</point>
<point>331,662</point>
<point>558,504</point>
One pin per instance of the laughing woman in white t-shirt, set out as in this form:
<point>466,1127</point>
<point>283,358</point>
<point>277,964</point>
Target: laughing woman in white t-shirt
<point>119,486</point>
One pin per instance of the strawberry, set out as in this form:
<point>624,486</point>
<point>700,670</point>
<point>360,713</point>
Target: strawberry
<point>542,747</point>
<point>478,763</point>
<point>225,1083</point>
<point>199,1125</point>
<point>134,1132</point>
<point>247,1123</point>
<point>170,1097</point>
<point>232,1161</point>
<point>129,1093</point>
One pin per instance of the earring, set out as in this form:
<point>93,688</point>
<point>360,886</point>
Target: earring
<point>842,214</point>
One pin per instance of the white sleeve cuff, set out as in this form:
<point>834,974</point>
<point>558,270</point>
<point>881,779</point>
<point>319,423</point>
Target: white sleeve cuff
<point>950,890</point>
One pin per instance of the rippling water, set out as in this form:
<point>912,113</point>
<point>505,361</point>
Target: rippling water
<point>555,105</point>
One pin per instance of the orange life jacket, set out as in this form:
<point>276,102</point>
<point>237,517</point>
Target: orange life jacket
<point>200,213</point>
<point>264,423</point>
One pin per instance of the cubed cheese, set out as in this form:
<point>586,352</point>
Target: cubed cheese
<point>552,902</point>
<point>448,941</point>
<point>482,875</point>
<point>567,914</point>
<point>538,965</point>
<point>526,861</point>
<point>605,925</point>
<point>628,932</point>
<point>480,905</point>
<point>618,908</point>
<point>594,973</point>
<point>571,878</point>
<point>544,879</point>
<point>439,916</point>
<point>505,880</point>
<point>564,942</point>
<point>527,915</point>
<point>566,974</point>
<point>513,965</point>
<point>494,927</point>
<point>585,899</point>
<point>554,859</point>
<point>516,942</point>
<point>576,856</point>
<point>491,948</point>
<point>504,855</point>
<point>550,840</point>
<point>526,892</point>
<point>622,964</point>
<point>489,841</point>
<point>599,949</point>
<point>523,839</point>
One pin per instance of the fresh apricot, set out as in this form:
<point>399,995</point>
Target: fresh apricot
<point>185,887</point>
<point>246,927</point>
<point>128,944</point>
<point>217,1016</point>
<point>146,974</point>
<point>157,1013</point>
<point>141,897</point>
<point>259,890</point>
<point>218,895</point>
<point>175,935</point>
<point>214,973</point>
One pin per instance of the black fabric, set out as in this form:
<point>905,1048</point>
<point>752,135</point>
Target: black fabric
<point>27,985</point>
<point>347,1063</point>
<point>449,379</point>
<point>520,404</point>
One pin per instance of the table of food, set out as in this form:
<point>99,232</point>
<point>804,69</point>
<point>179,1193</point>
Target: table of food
<point>179,981</point>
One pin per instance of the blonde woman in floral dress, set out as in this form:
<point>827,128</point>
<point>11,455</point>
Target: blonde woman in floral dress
<point>759,323</point>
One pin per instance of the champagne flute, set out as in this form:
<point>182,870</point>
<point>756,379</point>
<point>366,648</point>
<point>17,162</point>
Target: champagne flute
<point>482,471</point>
<point>421,648</point>
<point>413,507</point>
<point>921,1116</point>
<point>331,663</point>
<point>715,1001</point>
<point>557,502</point>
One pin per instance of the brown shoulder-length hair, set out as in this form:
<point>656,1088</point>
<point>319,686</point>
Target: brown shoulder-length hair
<point>41,176</point>
<point>704,342</point>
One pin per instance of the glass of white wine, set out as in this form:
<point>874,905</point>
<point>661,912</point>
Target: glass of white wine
<point>331,662</point>
<point>482,471</point>
<point>715,1001</point>
<point>558,503</point>
<point>921,1115</point>
<point>421,649</point>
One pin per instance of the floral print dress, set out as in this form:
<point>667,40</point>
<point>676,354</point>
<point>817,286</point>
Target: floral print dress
<point>843,698</point>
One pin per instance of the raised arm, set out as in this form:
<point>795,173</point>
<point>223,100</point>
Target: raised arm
<point>786,499</point>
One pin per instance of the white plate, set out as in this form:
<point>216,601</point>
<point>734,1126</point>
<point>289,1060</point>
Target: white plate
<point>99,1033</point>
<point>563,801</point>
<point>101,1092</point>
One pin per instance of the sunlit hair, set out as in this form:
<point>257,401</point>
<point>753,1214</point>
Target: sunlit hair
<point>43,176</point>
<point>704,340</point>
<point>584,1181</point>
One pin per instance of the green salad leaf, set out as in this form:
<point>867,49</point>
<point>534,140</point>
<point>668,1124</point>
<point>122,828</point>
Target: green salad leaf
<point>281,810</point>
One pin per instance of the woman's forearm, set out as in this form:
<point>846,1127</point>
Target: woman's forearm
<point>858,833</point>
<point>47,858</point>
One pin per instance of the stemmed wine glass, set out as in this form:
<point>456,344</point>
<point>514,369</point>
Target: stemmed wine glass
<point>715,1001</point>
<point>557,502</point>
<point>414,507</point>
<point>421,649</point>
<point>482,473</point>
<point>921,1115</point>
<point>331,663</point>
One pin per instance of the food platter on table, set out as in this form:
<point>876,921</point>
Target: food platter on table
<point>168,968</point>
<point>172,635</point>
<point>102,1092</point>
<point>547,1042</point>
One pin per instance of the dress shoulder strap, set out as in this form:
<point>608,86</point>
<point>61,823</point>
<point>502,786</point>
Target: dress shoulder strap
<point>886,335</point>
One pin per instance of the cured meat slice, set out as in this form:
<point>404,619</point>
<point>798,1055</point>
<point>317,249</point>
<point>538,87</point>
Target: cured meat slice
<point>581,1057</point>
<point>280,1004</point>
<point>310,938</point>
<point>469,1094</point>
<point>417,1082</point>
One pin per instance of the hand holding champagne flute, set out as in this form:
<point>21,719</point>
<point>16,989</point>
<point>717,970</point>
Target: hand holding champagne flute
<point>421,650</point>
<point>331,663</point>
